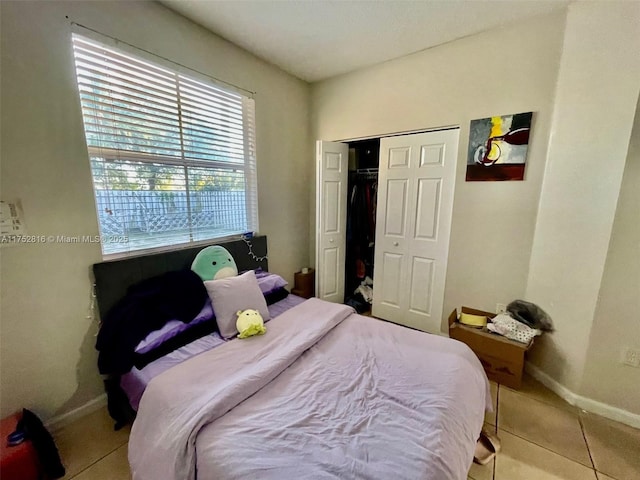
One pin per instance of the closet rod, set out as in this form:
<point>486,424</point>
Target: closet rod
<point>367,171</point>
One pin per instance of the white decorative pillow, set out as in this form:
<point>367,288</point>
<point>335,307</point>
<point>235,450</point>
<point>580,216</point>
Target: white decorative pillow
<point>229,295</point>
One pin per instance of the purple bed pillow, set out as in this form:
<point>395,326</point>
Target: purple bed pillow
<point>173,328</point>
<point>269,282</point>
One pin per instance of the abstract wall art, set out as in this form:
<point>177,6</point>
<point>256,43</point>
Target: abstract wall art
<point>498,147</point>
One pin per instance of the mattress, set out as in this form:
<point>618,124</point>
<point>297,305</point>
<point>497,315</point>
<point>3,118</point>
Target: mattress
<point>135,382</point>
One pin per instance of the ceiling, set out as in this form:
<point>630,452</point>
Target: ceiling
<point>318,39</point>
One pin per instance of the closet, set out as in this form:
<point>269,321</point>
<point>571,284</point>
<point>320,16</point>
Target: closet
<point>411,200</point>
<point>362,195</point>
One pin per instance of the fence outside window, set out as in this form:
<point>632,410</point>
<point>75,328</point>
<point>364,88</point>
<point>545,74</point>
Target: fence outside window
<point>146,217</point>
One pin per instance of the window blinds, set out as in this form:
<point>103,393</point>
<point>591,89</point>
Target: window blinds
<point>172,157</point>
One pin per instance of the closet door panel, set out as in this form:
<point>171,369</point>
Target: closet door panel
<point>329,283</point>
<point>392,229</point>
<point>399,157</point>
<point>427,208</point>
<point>391,279</point>
<point>424,164</point>
<point>432,155</point>
<point>420,295</point>
<point>332,209</point>
<point>396,208</point>
<point>331,218</point>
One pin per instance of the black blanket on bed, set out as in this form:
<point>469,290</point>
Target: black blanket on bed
<point>148,305</point>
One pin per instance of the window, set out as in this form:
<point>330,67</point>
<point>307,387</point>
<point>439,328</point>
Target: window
<point>172,156</point>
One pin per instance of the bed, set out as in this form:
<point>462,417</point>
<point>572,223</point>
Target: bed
<point>325,393</point>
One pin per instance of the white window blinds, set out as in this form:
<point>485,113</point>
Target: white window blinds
<point>172,157</point>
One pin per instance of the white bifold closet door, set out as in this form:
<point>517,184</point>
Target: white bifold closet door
<point>332,163</point>
<point>413,222</point>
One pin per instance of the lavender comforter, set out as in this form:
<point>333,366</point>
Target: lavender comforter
<point>325,393</point>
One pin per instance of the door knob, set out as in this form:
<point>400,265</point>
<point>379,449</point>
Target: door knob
<point>395,244</point>
<point>331,240</point>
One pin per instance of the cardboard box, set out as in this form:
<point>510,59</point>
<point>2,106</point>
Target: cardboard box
<point>502,359</point>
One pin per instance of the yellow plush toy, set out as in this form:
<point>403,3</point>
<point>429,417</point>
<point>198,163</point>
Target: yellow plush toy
<point>250,323</point>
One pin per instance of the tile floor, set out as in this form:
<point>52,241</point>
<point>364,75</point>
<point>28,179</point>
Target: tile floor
<point>543,438</point>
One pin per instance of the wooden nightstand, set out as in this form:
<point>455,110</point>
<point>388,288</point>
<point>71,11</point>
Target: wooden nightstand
<point>305,284</point>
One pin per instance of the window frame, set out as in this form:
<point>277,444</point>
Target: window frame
<point>248,166</point>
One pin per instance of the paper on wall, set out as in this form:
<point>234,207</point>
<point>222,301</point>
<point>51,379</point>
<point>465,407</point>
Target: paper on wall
<point>11,218</point>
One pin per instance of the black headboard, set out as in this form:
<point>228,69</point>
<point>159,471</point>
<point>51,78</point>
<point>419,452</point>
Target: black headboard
<point>112,278</point>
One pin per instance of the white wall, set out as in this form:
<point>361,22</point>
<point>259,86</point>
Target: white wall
<point>47,356</point>
<point>543,240</point>
<point>597,91</point>
<point>616,323</point>
<point>506,70</point>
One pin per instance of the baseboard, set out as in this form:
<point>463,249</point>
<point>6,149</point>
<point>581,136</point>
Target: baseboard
<point>551,383</point>
<point>59,421</point>
<point>588,404</point>
<point>608,411</point>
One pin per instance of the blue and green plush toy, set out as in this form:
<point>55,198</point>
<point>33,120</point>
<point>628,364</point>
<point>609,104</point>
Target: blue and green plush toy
<point>214,263</point>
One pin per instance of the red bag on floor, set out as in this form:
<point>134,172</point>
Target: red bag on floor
<point>19,462</point>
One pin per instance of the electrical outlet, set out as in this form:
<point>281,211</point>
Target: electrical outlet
<point>631,357</point>
<point>501,308</point>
